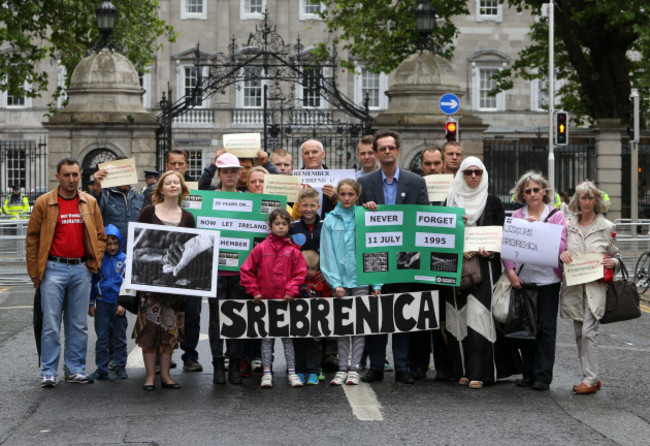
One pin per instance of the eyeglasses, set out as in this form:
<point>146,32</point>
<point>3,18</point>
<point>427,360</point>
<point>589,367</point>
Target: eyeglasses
<point>469,173</point>
<point>386,149</point>
<point>534,190</point>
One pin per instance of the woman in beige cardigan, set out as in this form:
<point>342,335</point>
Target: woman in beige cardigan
<point>588,232</point>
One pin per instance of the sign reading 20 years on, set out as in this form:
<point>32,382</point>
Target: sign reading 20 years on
<point>409,243</point>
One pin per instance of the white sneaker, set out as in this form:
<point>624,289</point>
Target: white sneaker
<point>267,381</point>
<point>353,378</point>
<point>48,381</point>
<point>294,380</point>
<point>339,379</point>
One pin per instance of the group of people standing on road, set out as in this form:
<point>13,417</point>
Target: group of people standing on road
<point>310,252</point>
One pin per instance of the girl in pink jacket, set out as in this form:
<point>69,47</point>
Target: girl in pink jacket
<point>274,270</point>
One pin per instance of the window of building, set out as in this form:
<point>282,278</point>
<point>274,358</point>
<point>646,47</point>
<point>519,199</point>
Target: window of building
<point>310,10</point>
<point>373,86</point>
<point>489,11</point>
<point>483,83</point>
<point>195,161</point>
<point>539,94</point>
<point>145,83</point>
<point>194,9</point>
<point>7,100</point>
<point>188,78</point>
<point>311,81</point>
<point>252,9</point>
<point>251,88</point>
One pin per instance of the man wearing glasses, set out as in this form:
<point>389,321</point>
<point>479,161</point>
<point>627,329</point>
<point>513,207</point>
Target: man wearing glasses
<point>390,185</point>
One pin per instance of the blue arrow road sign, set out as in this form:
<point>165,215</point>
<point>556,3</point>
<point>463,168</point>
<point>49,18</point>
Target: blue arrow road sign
<point>449,104</point>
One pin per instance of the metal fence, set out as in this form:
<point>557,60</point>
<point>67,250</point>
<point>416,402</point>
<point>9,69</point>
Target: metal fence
<point>23,162</point>
<point>507,160</point>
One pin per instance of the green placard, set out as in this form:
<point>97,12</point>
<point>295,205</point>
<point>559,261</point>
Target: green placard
<point>409,243</point>
<point>241,218</point>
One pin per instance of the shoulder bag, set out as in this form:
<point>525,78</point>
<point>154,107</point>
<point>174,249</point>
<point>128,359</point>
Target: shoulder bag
<point>470,275</point>
<point>622,300</point>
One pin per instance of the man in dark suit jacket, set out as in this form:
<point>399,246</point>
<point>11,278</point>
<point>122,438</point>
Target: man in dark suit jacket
<point>390,185</point>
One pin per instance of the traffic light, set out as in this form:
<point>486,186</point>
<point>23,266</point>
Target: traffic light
<point>561,128</point>
<point>451,130</point>
<point>633,117</point>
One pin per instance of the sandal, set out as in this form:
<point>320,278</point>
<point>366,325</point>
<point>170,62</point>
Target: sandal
<point>476,384</point>
<point>463,381</point>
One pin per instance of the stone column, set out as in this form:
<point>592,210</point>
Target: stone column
<point>608,163</point>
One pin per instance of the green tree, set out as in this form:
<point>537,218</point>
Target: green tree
<point>37,32</point>
<point>602,47</point>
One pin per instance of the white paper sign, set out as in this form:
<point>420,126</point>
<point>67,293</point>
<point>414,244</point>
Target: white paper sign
<point>532,243</point>
<point>438,186</point>
<point>583,269</point>
<point>488,237</point>
<point>119,172</point>
<point>242,145</point>
<point>381,239</point>
<point>383,218</point>
<point>317,178</point>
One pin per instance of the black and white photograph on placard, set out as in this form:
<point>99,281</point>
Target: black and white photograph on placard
<point>375,262</point>
<point>408,260</point>
<point>444,262</point>
<point>172,260</point>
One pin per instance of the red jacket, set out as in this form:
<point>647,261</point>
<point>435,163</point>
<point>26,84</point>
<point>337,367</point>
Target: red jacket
<point>274,268</point>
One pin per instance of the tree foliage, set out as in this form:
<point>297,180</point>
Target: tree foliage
<point>40,32</point>
<point>382,33</point>
<point>602,47</point>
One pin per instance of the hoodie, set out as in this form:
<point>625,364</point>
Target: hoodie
<point>107,282</point>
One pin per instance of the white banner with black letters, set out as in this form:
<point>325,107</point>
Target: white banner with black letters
<point>329,317</point>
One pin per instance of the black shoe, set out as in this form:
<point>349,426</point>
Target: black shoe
<point>171,385</point>
<point>192,365</point>
<point>172,364</point>
<point>404,377</point>
<point>443,376</point>
<point>234,371</point>
<point>523,382</point>
<point>149,387</point>
<point>418,373</point>
<point>219,376</point>
<point>540,385</point>
<point>372,376</point>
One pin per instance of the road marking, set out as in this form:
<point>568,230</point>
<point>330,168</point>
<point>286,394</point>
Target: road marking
<point>645,308</point>
<point>363,401</point>
<point>18,307</point>
<point>2,290</point>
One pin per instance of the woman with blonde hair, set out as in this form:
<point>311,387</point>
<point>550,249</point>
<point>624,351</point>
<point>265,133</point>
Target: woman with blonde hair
<point>588,232</point>
<point>159,325</point>
<point>535,193</point>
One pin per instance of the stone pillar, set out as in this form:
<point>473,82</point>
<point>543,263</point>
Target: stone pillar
<point>608,163</point>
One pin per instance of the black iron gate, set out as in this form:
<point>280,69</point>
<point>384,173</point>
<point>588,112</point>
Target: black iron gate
<point>507,160</point>
<point>23,163</point>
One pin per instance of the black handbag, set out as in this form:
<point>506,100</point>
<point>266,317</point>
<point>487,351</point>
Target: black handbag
<point>622,300</point>
<point>522,316</point>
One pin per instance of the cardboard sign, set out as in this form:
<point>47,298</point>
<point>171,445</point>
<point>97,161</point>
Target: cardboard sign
<point>584,269</point>
<point>438,186</point>
<point>240,217</point>
<point>286,185</point>
<point>192,185</point>
<point>409,243</point>
<point>488,237</point>
<point>242,145</point>
<point>531,243</point>
<point>331,317</point>
<point>119,173</point>
<point>172,260</point>
<point>317,178</point>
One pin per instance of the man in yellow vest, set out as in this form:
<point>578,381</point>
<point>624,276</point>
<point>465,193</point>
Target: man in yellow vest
<point>16,205</point>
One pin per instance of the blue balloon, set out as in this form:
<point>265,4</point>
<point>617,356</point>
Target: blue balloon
<point>299,239</point>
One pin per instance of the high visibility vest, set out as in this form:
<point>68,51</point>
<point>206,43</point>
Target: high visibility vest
<point>558,201</point>
<point>605,197</point>
<point>16,209</point>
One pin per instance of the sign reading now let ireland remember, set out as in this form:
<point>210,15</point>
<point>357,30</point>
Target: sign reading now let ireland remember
<point>409,243</point>
<point>241,218</point>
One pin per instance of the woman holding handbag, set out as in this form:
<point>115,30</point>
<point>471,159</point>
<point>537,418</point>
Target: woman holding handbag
<point>588,231</point>
<point>535,192</point>
<point>473,356</point>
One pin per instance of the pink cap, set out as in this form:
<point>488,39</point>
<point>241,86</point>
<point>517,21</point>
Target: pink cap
<point>228,160</point>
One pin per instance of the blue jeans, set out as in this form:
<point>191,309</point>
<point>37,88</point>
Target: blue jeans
<point>105,317</point>
<point>65,290</point>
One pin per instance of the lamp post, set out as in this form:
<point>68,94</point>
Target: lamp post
<point>106,14</point>
<point>425,23</point>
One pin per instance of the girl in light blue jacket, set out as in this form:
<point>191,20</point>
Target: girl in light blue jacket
<point>338,265</point>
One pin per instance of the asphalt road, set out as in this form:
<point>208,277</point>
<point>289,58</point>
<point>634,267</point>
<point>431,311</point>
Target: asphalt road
<point>430,413</point>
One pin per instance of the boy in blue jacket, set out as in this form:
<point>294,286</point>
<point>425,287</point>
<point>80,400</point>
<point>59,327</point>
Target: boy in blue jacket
<point>105,309</point>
